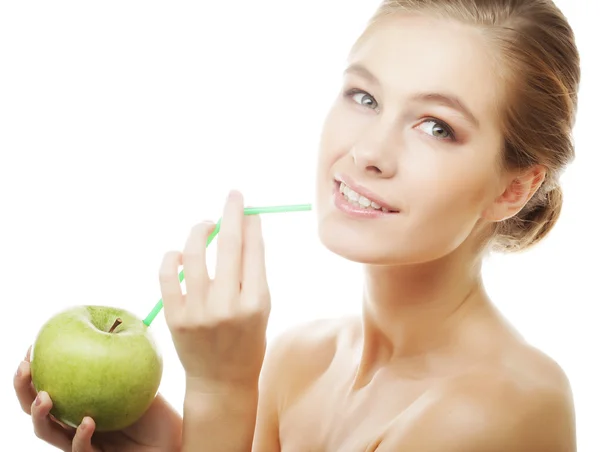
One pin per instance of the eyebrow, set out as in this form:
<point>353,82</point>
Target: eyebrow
<point>449,101</point>
<point>438,98</point>
<point>362,71</point>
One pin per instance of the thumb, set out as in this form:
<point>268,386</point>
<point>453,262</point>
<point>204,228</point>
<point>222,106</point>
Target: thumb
<point>82,442</point>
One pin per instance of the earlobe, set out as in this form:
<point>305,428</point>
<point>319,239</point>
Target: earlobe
<point>519,190</point>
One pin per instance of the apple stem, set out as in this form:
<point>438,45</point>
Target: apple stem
<point>116,324</point>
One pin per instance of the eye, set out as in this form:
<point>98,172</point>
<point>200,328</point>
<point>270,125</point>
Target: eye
<point>437,129</point>
<point>362,98</point>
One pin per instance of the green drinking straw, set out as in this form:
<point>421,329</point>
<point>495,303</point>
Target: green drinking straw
<point>247,211</point>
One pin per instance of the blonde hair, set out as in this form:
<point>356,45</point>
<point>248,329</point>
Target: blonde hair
<point>541,67</point>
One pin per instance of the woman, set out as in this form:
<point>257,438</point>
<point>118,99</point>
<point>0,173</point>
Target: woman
<point>451,129</point>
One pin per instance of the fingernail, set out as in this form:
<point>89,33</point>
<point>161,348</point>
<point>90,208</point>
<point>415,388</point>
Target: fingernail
<point>234,194</point>
<point>38,400</point>
<point>82,426</point>
<point>18,372</point>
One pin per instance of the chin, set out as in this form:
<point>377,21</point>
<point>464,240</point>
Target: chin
<point>373,246</point>
<point>387,239</point>
<point>353,252</point>
<point>363,247</point>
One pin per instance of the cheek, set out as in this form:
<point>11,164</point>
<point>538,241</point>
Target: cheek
<point>452,194</point>
<point>443,212</point>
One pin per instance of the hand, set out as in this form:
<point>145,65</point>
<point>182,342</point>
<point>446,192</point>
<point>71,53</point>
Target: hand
<point>159,430</point>
<point>219,325</point>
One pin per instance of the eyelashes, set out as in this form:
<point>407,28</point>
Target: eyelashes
<point>436,128</point>
<point>439,126</point>
<point>353,93</point>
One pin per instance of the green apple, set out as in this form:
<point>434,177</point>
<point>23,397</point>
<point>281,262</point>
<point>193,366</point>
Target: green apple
<point>97,361</point>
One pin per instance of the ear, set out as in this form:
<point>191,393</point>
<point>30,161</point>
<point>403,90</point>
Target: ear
<point>517,192</point>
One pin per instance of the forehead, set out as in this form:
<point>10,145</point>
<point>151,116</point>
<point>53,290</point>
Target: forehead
<point>411,53</point>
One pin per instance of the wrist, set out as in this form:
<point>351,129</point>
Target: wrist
<point>216,397</point>
<point>218,417</point>
<point>196,385</point>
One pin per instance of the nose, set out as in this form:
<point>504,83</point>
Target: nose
<point>376,154</point>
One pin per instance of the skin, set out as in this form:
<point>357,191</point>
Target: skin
<point>430,365</point>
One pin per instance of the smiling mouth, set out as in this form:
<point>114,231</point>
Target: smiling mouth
<point>361,201</point>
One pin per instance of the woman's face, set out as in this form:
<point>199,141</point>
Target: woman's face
<point>415,131</point>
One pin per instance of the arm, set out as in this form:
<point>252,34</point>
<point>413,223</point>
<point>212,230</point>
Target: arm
<point>266,434</point>
<point>487,418</point>
<point>233,422</point>
<point>219,421</point>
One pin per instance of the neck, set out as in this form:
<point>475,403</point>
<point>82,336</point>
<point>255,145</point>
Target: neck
<point>413,312</point>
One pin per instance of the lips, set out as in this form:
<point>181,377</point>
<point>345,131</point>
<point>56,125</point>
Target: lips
<point>361,196</point>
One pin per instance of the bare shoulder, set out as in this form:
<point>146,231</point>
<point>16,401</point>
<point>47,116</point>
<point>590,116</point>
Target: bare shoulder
<point>310,346</point>
<point>311,336</point>
<point>524,399</point>
<point>301,354</point>
<point>521,403</point>
<point>294,360</point>
<point>524,361</point>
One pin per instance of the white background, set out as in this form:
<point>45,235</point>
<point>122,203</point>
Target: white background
<point>124,123</point>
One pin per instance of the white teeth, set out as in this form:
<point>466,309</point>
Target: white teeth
<point>359,200</point>
<point>364,201</point>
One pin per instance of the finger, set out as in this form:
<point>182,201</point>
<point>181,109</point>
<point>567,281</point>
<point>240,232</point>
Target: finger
<point>170,287</point>
<point>62,424</point>
<point>229,248</point>
<point>82,442</point>
<point>23,386</point>
<point>43,426</point>
<point>254,282</point>
<point>194,261</point>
